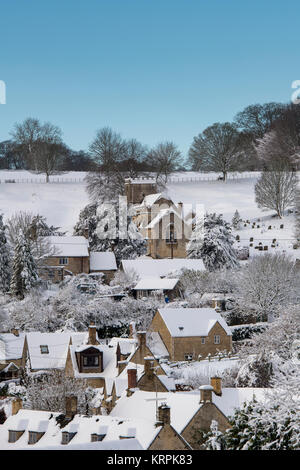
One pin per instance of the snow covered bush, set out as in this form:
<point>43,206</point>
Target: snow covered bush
<point>24,268</point>
<point>236,220</point>
<point>216,245</point>
<point>48,391</point>
<point>271,424</point>
<point>5,265</point>
<point>268,283</point>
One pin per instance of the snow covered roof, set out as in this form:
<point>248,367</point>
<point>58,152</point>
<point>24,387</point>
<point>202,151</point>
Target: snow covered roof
<point>148,267</point>
<point>28,420</point>
<point>11,346</point>
<point>183,322</point>
<point>162,213</point>
<point>151,199</point>
<point>183,406</point>
<point>139,432</point>
<point>156,283</point>
<point>102,261</point>
<point>110,369</point>
<point>121,444</point>
<point>69,246</point>
<point>233,398</point>
<point>207,296</point>
<point>55,343</point>
<point>156,345</point>
<point>49,350</point>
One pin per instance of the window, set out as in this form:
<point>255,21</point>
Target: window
<point>63,261</point>
<point>32,437</point>
<point>217,339</point>
<point>90,361</point>
<point>97,437</point>
<point>12,436</point>
<point>171,236</point>
<point>67,437</point>
<point>202,340</point>
<point>44,349</point>
<point>188,356</point>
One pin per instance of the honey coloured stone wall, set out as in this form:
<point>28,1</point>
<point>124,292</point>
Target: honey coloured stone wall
<point>193,344</point>
<point>168,439</point>
<point>76,265</point>
<point>201,422</point>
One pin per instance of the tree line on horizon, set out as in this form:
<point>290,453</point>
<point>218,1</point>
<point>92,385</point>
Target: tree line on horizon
<point>261,137</point>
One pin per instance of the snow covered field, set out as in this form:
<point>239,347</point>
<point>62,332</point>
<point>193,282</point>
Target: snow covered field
<point>61,203</point>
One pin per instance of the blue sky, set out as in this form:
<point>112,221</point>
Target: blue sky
<point>151,69</point>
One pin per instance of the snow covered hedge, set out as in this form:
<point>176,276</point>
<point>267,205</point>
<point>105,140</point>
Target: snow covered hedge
<point>241,332</point>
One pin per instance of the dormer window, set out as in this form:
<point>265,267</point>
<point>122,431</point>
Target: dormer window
<point>44,349</point>
<point>13,436</point>
<point>67,437</point>
<point>97,437</point>
<point>33,437</point>
<point>91,361</point>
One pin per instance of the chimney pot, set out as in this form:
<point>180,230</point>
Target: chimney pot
<point>71,406</point>
<point>148,365</point>
<point>216,383</point>
<point>92,334</point>
<point>206,393</point>
<point>164,414</point>
<point>16,405</point>
<point>141,338</point>
<point>132,378</point>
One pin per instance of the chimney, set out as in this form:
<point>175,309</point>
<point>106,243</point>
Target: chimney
<point>216,383</point>
<point>180,206</point>
<point>164,415</point>
<point>132,331</point>
<point>206,393</point>
<point>121,366</point>
<point>71,406</point>
<point>148,366</point>
<point>15,331</point>
<point>92,334</point>
<point>141,338</point>
<point>132,380</point>
<point>16,405</point>
<point>86,233</point>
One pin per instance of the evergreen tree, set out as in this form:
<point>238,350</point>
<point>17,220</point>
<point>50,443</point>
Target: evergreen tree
<point>108,231</point>
<point>5,268</point>
<point>216,245</point>
<point>236,220</point>
<point>24,275</point>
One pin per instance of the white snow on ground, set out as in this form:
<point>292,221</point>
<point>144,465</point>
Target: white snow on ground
<point>61,203</point>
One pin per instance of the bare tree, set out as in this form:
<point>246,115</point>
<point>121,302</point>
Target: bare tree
<point>164,159</point>
<point>275,190</point>
<point>41,145</point>
<point>281,145</point>
<point>48,391</point>
<point>108,149</point>
<point>218,148</point>
<point>257,119</point>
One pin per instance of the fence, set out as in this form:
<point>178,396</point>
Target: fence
<point>214,177</point>
<point>172,179</point>
<point>42,180</point>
